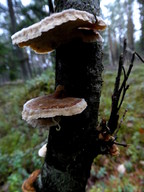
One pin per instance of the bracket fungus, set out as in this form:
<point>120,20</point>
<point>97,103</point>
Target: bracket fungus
<point>27,186</point>
<point>41,110</point>
<point>60,28</point>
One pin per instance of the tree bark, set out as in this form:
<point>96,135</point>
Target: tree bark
<point>12,16</point>
<point>91,6</point>
<point>113,48</point>
<point>71,150</point>
<point>130,25</point>
<point>141,2</point>
<point>18,52</point>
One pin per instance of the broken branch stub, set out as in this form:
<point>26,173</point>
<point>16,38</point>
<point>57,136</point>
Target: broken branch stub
<point>60,28</point>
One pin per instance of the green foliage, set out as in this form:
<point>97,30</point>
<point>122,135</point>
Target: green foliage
<point>97,188</point>
<point>131,132</point>
<point>43,83</point>
<point>101,173</point>
<point>15,181</point>
<point>135,150</point>
<point>115,184</point>
<point>40,85</point>
<point>20,142</point>
<point>8,58</point>
<point>129,166</point>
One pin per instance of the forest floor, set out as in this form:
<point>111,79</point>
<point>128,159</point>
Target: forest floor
<point>19,142</point>
<point>124,173</point>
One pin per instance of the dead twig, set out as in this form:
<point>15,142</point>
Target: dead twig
<point>106,130</point>
<point>51,8</point>
<point>120,89</point>
<point>121,121</point>
<point>139,57</point>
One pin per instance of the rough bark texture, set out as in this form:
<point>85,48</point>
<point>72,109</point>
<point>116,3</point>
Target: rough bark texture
<point>71,150</point>
<point>91,6</point>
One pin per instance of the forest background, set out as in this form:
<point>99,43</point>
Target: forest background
<point>24,75</point>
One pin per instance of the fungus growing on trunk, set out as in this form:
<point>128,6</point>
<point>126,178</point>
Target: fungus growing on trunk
<point>40,111</point>
<point>60,28</point>
<point>67,32</point>
<point>28,183</point>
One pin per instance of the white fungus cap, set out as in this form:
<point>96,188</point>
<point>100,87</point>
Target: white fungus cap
<point>60,28</point>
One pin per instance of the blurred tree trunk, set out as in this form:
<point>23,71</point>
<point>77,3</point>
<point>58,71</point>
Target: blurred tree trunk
<point>111,59</point>
<point>130,25</point>
<point>116,32</point>
<point>141,2</point>
<point>71,150</point>
<point>17,52</point>
<point>113,47</point>
<point>12,17</point>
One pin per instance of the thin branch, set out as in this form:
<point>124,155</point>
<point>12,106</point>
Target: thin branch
<point>121,121</point>
<point>120,90</point>
<point>122,99</point>
<point>139,57</point>
<point>121,144</point>
<point>124,89</point>
<point>128,73</point>
<point>113,120</point>
<point>124,49</point>
<point>51,8</point>
<point>117,82</point>
<point>124,71</point>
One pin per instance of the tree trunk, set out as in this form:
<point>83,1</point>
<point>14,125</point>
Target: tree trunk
<point>12,16</point>
<point>141,2</point>
<point>71,150</point>
<point>130,25</point>
<point>113,50</point>
<point>18,52</point>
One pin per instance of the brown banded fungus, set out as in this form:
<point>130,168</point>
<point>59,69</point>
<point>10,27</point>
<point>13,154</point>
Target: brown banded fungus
<point>43,109</point>
<point>60,28</point>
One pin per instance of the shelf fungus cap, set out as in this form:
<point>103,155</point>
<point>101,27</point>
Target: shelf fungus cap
<point>59,28</point>
<point>52,105</point>
<point>27,186</point>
